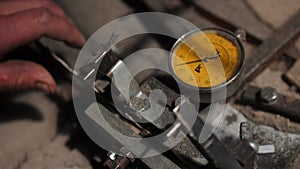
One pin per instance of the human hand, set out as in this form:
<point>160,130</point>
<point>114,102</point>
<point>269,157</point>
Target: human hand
<point>21,22</point>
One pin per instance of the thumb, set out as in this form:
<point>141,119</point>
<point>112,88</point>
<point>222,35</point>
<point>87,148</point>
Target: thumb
<point>21,75</point>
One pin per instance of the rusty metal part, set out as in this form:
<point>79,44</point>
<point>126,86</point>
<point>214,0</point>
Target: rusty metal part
<point>157,162</point>
<point>245,131</point>
<point>185,150</point>
<point>117,162</point>
<point>212,148</point>
<point>293,75</point>
<point>272,46</point>
<point>245,154</point>
<point>285,106</point>
<point>263,149</point>
<point>161,161</point>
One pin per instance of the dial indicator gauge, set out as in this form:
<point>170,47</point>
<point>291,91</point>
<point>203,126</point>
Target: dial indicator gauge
<point>207,59</point>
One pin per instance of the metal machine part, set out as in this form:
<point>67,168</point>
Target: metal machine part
<point>158,162</point>
<point>91,66</point>
<point>268,95</point>
<point>210,60</point>
<point>212,149</point>
<point>263,149</point>
<point>246,135</point>
<point>269,100</point>
<point>118,162</point>
<point>270,48</point>
<point>245,131</point>
<point>245,154</point>
<point>64,64</point>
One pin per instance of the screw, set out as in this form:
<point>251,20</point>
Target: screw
<point>112,156</point>
<point>268,95</point>
<point>241,34</point>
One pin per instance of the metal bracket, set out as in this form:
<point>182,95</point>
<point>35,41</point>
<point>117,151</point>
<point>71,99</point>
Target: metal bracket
<point>269,100</point>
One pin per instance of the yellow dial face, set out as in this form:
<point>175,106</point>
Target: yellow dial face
<point>206,59</point>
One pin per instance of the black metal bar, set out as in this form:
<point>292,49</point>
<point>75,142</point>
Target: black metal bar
<point>221,22</point>
<point>270,47</point>
<point>213,150</point>
<point>285,106</point>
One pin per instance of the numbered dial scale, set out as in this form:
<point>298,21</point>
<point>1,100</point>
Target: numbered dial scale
<point>209,60</point>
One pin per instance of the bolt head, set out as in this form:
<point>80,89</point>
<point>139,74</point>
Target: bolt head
<point>139,104</point>
<point>241,34</point>
<point>268,95</point>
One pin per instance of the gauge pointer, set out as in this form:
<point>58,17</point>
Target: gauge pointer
<point>200,60</point>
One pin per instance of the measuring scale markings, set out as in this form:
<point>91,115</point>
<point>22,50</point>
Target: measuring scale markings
<point>210,59</point>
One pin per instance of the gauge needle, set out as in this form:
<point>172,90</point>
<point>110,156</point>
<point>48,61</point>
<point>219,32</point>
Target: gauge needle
<point>200,60</point>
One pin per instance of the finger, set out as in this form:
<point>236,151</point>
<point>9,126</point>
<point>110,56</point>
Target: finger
<point>14,6</point>
<point>21,75</point>
<point>27,26</point>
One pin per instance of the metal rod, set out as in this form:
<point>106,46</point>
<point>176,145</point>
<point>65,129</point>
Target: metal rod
<point>270,47</point>
<point>64,64</point>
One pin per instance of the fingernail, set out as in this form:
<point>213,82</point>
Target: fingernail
<point>70,20</point>
<point>82,39</point>
<point>42,86</point>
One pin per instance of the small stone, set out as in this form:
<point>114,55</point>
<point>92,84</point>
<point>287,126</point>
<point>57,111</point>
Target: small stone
<point>244,131</point>
<point>266,149</point>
